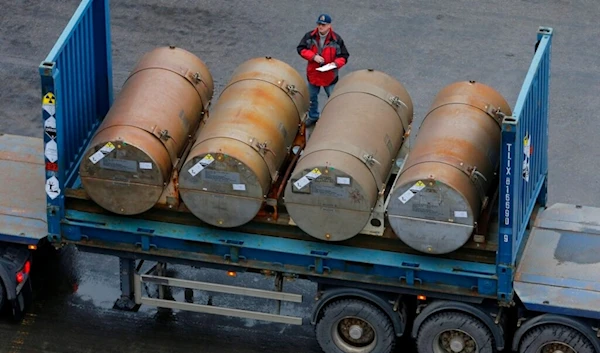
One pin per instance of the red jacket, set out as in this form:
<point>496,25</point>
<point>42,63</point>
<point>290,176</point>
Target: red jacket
<point>334,50</point>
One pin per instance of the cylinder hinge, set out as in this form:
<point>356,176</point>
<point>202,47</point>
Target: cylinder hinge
<point>397,102</point>
<point>291,89</point>
<point>197,78</point>
<point>370,160</point>
<point>164,135</point>
<point>263,148</point>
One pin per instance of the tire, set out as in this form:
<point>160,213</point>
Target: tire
<point>563,337</point>
<point>465,332</point>
<point>372,329</point>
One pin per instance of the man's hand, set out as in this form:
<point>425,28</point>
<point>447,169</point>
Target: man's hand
<point>319,59</point>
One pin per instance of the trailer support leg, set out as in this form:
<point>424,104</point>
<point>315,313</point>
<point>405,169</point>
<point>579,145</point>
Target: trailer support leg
<point>126,301</point>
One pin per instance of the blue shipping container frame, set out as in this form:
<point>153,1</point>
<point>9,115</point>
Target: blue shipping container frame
<point>78,72</point>
<point>523,177</point>
<point>77,92</point>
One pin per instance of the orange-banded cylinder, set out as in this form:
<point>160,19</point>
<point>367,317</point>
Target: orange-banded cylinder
<point>335,185</point>
<point>238,153</point>
<point>440,192</point>
<point>131,157</point>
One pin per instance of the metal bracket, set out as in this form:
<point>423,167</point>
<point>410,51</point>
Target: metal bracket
<point>370,160</point>
<point>291,89</point>
<point>164,135</point>
<point>262,148</point>
<point>397,102</point>
<point>197,77</point>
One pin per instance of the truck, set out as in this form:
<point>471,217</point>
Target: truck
<point>528,281</point>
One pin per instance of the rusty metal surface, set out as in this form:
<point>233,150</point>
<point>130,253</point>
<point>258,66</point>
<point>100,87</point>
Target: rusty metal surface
<point>149,125</point>
<point>560,266</point>
<point>22,196</point>
<point>249,135</point>
<point>353,146</point>
<point>439,194</point>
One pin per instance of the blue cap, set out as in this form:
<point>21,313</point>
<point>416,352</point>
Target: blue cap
<point>324,19</point>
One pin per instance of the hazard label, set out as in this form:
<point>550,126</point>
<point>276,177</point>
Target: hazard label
<point>49,99</point>
<point>102,152</point>
<point>203,163</point>
<point>412,191</point>
<point>305,180</point>
<point>50,127</point>
<point>52,187</point>
<point>51,151</point>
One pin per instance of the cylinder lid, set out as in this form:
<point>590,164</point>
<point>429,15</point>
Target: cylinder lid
<point>122,177</point>
<point>220,189</point>
<point>430,216</point>
<point>330,202</point>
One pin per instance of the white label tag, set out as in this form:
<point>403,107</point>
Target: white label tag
<point>146,165</point>
<point>404,198</point>
<point>343,181</point>
<point>101,153</point>
<point>460,214</point>
<point>203,163</point>
<point>239,187</point>
<point>305,180</point>
<point>412,191</point>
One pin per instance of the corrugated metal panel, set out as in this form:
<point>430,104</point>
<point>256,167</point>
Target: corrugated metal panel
<point>76,82</point>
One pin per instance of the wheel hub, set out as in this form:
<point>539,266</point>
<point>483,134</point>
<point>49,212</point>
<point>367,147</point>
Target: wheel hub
<point>457,344</point>
<point>355,332</point>
<point>557,347</point>
<point>456,341</point>
<point>354,335</point>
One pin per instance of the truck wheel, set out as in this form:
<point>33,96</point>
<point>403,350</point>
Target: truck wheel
<point>454,332</point>
<point>554,339</point>
<point>355,326</point>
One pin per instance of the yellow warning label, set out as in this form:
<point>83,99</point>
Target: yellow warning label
<point>420,184</point>
<point>208,158</point>
<point>49,99</point>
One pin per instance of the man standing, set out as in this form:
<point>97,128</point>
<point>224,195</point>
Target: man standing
<point>326,54</point>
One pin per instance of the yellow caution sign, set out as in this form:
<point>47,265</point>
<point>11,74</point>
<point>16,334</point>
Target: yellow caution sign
<point>49,99</point>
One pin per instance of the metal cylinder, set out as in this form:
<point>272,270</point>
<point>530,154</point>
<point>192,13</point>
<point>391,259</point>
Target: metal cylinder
<point>238,153</point>
<point>440,192</point>
<point>348,158</point>
<point>131,157</point>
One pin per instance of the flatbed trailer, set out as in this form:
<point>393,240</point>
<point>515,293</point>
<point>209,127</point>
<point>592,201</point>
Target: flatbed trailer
<point>529,279</point>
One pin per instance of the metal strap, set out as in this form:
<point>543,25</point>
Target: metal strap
<point>287,87</point>
<point>195,78</point>
<point>365,157</point>
<point>161,134</point>
<point>261,148</point>
<point>394,101</point>
<point>493,112</point>
<point>469,170</point>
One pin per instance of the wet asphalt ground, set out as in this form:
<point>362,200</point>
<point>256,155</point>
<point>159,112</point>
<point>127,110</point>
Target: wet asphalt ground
<point>424,44</point>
